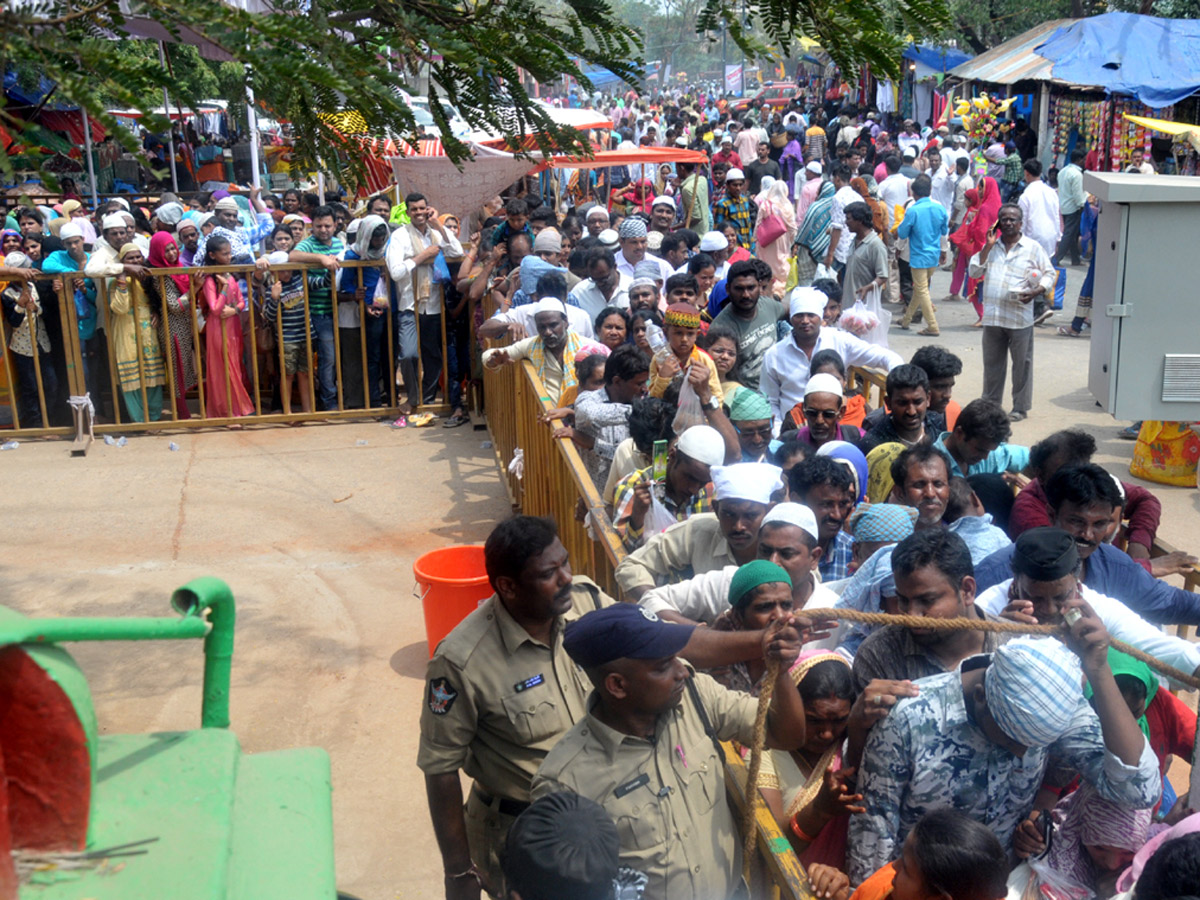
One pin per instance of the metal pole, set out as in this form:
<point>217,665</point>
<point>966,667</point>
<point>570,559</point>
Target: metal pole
<point>87,149</point>
<point>162,60</point>
<point>252,123</point>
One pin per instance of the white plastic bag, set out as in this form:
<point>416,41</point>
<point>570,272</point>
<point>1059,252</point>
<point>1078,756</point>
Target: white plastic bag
<point>858,319</point>
<point>658,518</point>
<point>691,411</point>
<point>824,271</point>
<point>868,320</point>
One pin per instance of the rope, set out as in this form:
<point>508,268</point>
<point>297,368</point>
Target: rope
<point>964,624</point>
<point>753,796</point>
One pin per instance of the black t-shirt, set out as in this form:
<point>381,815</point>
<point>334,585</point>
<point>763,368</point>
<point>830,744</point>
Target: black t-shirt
<point>755,172</point>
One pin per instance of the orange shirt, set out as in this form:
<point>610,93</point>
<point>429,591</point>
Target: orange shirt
<point>878,886</point>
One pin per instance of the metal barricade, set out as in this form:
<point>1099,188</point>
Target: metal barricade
<point>556,483</point>
<point>165,356</point>
<point>868,381</point>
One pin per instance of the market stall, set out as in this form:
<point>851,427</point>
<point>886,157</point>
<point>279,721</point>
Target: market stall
<point>1086,75</point>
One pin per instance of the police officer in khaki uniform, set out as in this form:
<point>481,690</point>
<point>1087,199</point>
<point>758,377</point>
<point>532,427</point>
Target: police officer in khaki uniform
<point>728,536</point>
<point>501,691</point>
<point>647,749</point>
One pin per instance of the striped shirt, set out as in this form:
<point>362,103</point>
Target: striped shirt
<point>289,309</point>
<point>1008,272</point>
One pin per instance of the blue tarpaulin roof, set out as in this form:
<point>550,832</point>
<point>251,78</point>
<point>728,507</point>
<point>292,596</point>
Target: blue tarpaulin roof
<point>941,59</point>
<point>1155,60</point>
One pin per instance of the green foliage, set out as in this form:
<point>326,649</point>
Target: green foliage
<point>858,33</point>
<point>311,58</point>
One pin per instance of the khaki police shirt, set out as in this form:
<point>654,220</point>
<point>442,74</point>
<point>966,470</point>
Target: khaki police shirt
<point>688,548</point>
<point>496,700</point>
<point>666,796</point>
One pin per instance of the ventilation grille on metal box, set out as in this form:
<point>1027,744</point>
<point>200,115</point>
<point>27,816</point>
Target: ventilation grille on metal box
<point>1181,378</point>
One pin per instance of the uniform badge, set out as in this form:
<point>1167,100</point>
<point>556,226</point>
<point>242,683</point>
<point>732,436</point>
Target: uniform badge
<point>441,696</point>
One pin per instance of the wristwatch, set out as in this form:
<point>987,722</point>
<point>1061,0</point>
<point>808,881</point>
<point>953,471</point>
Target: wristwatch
<point>713,404</point>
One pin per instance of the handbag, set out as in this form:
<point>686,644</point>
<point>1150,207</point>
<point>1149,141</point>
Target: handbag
<point>770,229</point>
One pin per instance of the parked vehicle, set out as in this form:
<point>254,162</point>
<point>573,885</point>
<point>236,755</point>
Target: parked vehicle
<point>776,95</point>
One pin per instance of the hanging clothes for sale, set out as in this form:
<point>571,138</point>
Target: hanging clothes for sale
<point>885,96</point>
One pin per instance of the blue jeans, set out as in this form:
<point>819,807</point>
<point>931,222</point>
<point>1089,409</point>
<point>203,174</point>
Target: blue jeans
<point>408,349</point>
<point>323,336</point>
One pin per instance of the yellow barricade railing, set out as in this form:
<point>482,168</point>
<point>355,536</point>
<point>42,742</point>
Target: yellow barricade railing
<point>555,483</point>
<point>149,334</point>
<point>872,383</point>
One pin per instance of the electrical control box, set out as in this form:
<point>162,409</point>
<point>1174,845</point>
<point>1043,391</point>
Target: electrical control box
<point>1145,352</point>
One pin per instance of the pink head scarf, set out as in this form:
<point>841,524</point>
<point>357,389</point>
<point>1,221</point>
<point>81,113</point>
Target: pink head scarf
<point>158,259</point>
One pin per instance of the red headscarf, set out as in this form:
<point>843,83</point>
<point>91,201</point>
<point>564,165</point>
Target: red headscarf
<point>981,217</point>
<point>158,258</point>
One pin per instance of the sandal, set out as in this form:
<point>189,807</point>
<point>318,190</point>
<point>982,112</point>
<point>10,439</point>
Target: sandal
<point>978,324</point>
<point>925,332</point>
<point>1068,331</point>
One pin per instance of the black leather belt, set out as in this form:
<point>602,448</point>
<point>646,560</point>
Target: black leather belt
<point>501,805</point>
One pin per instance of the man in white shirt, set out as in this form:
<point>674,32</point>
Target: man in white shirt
<point>841,238</point>
<point>784,373</point>
<point>893,190</point>
<point>411,251</point>
<point>963,182</point>
<point>632,238</point>
<point>1039,208</point>
<point>941,171</point>
<point>605,285</point>
<point>1015,269</point>
<point>1034,599</point>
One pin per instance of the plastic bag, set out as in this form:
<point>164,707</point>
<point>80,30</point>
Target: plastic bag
<point>868,320</point>
<point>691,411</point>
<point>858,320</point>
<point>658,518</point>
<point>824,271</point>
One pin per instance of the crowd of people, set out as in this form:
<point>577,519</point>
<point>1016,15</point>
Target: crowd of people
<point>693,330</point>
<point>325,307</point>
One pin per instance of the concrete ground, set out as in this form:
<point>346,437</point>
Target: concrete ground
<point>317,532</point>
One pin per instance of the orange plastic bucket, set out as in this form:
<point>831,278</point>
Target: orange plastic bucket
<point>451,583</point>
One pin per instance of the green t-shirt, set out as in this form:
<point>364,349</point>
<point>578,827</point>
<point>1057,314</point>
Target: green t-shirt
<point>320,281</point>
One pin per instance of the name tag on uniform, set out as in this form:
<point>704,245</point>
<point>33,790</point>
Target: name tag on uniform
<point>529,683</point>
<point>630,786</point>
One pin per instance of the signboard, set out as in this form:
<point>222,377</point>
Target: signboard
<point>733,79</point>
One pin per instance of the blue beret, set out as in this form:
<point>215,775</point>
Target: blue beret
<point>622,631</point>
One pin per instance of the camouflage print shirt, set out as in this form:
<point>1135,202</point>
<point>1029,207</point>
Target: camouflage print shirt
<point>927,753</point>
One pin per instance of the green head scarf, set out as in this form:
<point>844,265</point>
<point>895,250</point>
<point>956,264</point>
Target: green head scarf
<point>1124,664</point>
<point>752,575</point>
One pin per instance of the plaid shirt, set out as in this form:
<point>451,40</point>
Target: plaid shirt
<point>1007,272</point>
<point>1013,168</point>
<point>623,505</point>
<point>740,214</point>
<point>835,561</point>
